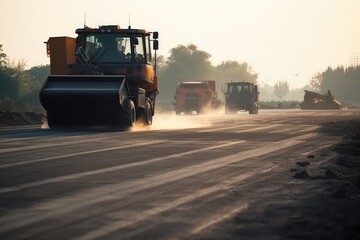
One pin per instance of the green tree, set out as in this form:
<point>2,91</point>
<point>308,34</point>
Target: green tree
<point>281,89</point>
<point>235,71</point>
<point>37,76</point>
<point>3,59</point>
<point>344,83</point>
<point>352,82</point>
<point>21,76</point>
<point>19,88</point>
<point>9,86</point>
<point>39,73</point>
<point>315,82</point>
<point>15,84</point>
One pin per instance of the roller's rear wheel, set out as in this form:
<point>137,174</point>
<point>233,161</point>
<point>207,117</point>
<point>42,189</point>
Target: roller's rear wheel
<point>129,113</point>
<point>253,109</point>
<point>147,114</point>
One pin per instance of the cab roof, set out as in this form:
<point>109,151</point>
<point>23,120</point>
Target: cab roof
<point>110,29</point>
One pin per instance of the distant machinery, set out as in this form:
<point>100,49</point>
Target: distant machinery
<point>197,96</point>
<point>313,100</point>
<point>241,96</point>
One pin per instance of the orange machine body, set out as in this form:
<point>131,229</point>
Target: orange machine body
<point>195,96</point>
<point>104,75</point>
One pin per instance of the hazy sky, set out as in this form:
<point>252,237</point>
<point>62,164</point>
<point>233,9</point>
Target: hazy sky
<point>278,38</point>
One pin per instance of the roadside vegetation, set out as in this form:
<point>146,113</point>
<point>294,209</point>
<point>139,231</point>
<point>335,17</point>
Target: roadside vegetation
<point>19,87</point>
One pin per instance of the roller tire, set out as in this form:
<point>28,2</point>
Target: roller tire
<point>148,113</point>
<point>129,113</point>
<point>253,109</point>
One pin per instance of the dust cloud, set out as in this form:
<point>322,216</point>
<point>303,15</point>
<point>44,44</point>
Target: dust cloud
<point>44,125</point>
<point>168,120</point>
<point>172,121</point>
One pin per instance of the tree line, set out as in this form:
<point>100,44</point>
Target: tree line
<point>188,63</point>
<point>343,82</point>
<point>19,87</point>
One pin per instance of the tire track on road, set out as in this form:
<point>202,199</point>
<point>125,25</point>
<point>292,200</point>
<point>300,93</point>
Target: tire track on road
<point>111,169</point>
<point>60,207</point>
<point>129,145</point>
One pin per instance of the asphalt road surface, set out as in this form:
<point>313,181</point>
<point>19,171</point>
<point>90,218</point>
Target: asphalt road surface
<point>185,177</point>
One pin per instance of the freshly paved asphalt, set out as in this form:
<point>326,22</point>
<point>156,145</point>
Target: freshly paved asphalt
<point>174,180</point>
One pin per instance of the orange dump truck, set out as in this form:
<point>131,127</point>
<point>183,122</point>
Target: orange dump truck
<point>199,97</point>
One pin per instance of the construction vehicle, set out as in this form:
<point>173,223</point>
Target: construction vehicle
<point>241,96</point>
<point>197,96</point>
<point>313,100</point>
<point>104,76</point>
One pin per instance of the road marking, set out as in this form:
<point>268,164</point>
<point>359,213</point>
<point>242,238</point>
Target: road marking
<point>227,184</point>
<point>44,145</point>
<point>111,169</point>
<point>223,128</point>
<point>282,131</point>
<point>238,209</point>
<point>317,149</point>
<point>59,207</point>
<point>308,129</point>
<point>134,144</point>
<point>117,225</point>
<point>59,135</point>
<point>255,129</point>
<point>296,129</point>
<point>4,140</point>
<point>208,223</point>
<point>11,136</point>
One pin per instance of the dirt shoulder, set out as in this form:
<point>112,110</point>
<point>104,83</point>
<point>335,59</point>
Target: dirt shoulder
<point>331,208</point>
<point>320,200</point>
<point>20,118</point>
